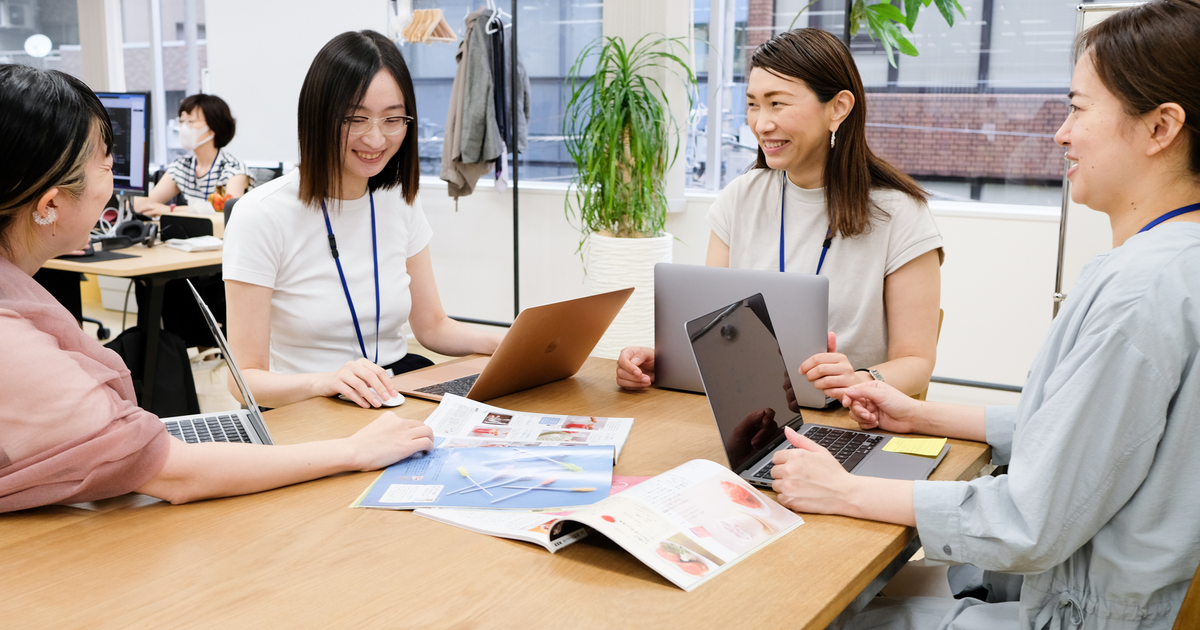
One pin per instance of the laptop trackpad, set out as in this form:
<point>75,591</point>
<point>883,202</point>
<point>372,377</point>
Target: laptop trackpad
<point>888,465</point>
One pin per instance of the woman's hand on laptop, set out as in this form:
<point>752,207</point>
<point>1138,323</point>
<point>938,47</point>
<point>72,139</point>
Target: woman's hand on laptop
<point>635,367</point>
<point>387,440</point>
<point>877,405</point>
<point>355,380</point>
<point>808,478</point>
<point>831,372</point>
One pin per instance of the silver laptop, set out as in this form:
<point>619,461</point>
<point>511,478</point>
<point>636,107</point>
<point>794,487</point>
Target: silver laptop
<point>240,425</point>
<point>684,292</point>
<point>749,390</point>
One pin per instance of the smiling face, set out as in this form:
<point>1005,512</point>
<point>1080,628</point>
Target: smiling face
<point>791,124</point>
<point>1100,139</point>
<point>77,217</point>
<point>365,156</point>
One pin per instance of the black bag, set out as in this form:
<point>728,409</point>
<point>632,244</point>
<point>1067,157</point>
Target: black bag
<point>174,389</point>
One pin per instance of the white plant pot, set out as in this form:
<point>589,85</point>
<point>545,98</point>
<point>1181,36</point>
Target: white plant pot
<point>618,263</point>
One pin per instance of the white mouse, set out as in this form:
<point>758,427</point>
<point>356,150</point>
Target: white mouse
<point>391,402</point>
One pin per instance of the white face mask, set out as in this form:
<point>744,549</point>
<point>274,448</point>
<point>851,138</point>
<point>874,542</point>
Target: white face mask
<point>189,137</point>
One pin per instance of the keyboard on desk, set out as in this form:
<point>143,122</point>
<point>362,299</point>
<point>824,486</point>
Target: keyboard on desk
<point>458,386</point>
<point>221,427</point>
<point>848,447</point>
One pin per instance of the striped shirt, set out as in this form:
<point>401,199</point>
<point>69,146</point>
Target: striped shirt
<point>183,172</point>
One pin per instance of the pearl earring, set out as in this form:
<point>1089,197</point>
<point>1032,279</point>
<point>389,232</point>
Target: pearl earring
<point>51,217</point>
<point>832,137</point>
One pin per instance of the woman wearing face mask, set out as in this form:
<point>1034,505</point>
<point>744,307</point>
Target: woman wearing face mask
<point>819,201</point>
<point>205,127</point>
<point>325,265</point>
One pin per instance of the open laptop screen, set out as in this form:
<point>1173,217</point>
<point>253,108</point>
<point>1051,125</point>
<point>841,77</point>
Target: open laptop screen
<point>748,385</point>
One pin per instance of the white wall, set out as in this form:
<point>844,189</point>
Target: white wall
<point>258,54</point>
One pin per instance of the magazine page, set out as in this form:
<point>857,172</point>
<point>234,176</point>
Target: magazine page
<point>467,423</point>
<point>691,522</point>
<point>535,526</point>
<point>504,478</point>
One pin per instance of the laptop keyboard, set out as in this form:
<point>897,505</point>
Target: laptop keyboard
<point>458,386</point>
<point>215,428</point>
<point>848,447</point>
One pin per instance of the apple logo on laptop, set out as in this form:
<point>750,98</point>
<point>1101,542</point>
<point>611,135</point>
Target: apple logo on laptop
<point>552,347</point>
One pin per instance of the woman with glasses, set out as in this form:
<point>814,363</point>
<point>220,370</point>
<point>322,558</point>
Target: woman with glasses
<point>205,127</point>
<point>324,265</point>
<point>70,427</point>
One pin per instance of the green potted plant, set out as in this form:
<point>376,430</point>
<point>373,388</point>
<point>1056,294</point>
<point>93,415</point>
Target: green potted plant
<point>620,132</point>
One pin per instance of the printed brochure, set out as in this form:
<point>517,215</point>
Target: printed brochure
<point>467,423</point>
<point>688,524</point>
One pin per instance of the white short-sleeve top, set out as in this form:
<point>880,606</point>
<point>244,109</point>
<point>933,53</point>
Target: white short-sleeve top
<point>274,241</point>
<point>746,217</point>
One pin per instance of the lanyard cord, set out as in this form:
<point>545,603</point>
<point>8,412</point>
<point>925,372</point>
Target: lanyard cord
<point>208,178</point>
<point>828,232</point>
<point>346,288</point>
<point>1171,215</point>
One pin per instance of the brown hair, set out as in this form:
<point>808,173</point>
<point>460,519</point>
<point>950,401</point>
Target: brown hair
<point>216,115</point>
<point>823,63</point>
<point>1148,55</point>
<point>336,82</point>
<point>51,123</point>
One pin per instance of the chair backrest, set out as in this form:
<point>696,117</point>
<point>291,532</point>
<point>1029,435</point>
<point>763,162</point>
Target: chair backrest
<point>941,316</point>
<point>1189,612</point>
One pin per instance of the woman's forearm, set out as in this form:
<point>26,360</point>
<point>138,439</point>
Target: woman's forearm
<point>908,374</point>
<point>962,422</point>
<point>456,339</point>
<point>205,471</point>
<point>272,389</point>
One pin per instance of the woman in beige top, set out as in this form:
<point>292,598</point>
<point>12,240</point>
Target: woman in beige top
<point>70,427</point>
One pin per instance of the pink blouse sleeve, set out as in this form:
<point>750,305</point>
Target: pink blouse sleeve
<point>66,433</point>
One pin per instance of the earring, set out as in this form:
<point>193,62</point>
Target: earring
<point>832,137</point>
<point>50,217</point>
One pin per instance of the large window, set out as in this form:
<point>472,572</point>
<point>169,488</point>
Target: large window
<point>53,20</point>
<point>972,118</point>
<point>552,33</point>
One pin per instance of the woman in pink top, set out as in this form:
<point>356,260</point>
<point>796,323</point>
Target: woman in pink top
<point>70,427</point>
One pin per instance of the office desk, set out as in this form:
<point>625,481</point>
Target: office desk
<point>298,557</point>
<point>155,266</point>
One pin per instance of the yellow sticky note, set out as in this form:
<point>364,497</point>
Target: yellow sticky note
<point>925,447</point>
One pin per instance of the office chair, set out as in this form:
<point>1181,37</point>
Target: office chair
<point>941,316</point>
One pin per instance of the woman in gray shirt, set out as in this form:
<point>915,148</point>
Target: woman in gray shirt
<point>1098,508</point>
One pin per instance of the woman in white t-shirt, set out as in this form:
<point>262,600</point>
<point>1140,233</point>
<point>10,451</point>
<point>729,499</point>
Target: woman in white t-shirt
<point>324,265</point>
<point>818,201</point>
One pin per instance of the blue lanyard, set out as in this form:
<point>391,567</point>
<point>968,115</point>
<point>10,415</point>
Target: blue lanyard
<point>345,288</point>
<point>208,178</point>
<point>828,232</point>
<point>1171,215</point>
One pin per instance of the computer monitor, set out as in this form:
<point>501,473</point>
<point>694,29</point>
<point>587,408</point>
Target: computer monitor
<point>130,116</point>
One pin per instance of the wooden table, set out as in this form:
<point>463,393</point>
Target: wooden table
<point>298,557</point>
<point>155,266</point>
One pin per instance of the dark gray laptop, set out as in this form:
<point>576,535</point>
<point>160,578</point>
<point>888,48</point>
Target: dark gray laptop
<point>684,292</point>
<point>238,425</point>
<point>749,390</point>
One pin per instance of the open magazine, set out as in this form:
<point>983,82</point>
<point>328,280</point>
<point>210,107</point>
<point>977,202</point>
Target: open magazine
<point>465,423</point>
<point>688,524</point>
<point>502,478</point>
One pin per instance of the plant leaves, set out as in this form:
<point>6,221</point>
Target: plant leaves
<point>911,9</point>
<point>946,7</point>
<point>857,14</point>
